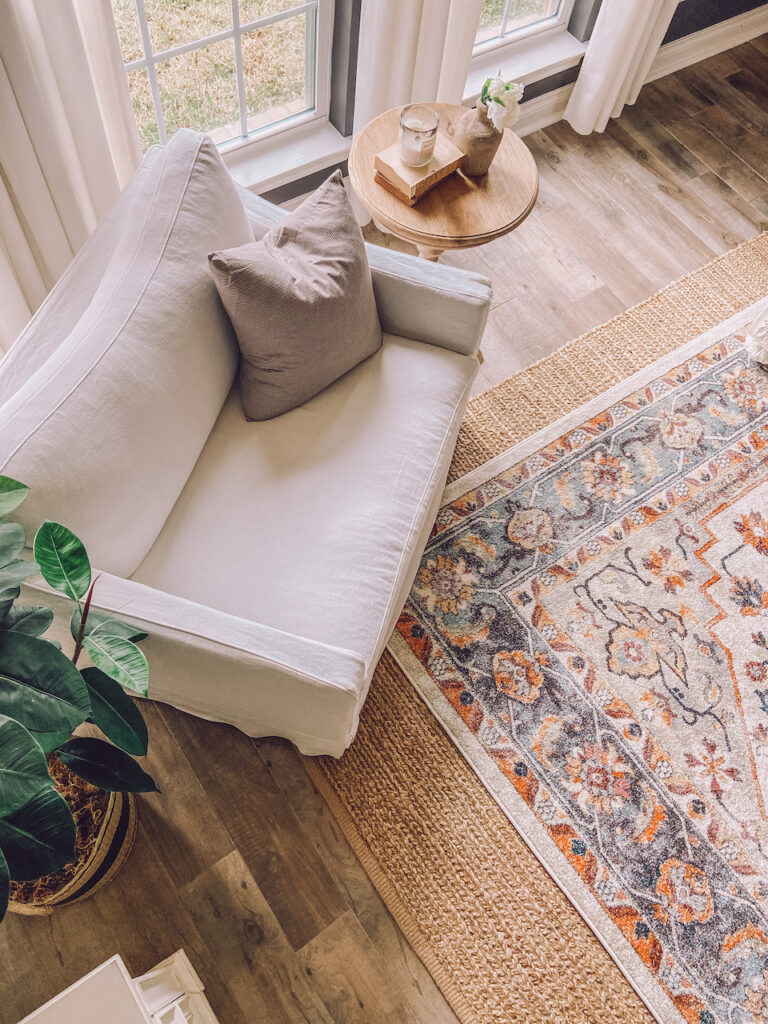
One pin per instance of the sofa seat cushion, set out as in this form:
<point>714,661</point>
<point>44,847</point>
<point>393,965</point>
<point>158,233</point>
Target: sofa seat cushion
<point>311,522</point>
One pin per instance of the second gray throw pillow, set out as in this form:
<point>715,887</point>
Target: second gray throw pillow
<point>301,303</point>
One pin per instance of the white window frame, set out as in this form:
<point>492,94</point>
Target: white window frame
<point>318,70</point>
<point>527,54</point>
<point>520,37</point>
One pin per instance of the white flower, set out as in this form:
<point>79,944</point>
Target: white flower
<point>497,87</point>
<point>503,102</point>
<point>496,113</point>
<point>514,93</point>
<point>512,112</point>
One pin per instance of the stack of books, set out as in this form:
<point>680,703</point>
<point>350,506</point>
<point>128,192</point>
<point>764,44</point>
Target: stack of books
<point>410,183</point>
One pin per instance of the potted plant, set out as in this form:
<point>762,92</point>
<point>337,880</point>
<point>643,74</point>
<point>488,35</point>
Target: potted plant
<point>67,814</point>
<point>479,131</point>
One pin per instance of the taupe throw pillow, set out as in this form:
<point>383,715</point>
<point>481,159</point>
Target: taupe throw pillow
<point>301,303</point>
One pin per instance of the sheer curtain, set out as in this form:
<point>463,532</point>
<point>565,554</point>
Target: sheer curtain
<point>412,51</point>
<point>626,38</point>
<point>68,142</point>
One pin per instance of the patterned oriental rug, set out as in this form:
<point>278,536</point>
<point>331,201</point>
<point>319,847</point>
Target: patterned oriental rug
<point>589,626</point>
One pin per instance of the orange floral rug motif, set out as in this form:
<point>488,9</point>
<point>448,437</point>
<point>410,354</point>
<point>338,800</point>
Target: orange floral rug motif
<point>590,625</point>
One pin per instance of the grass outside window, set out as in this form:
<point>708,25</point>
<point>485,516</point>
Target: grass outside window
<point>198,89</point>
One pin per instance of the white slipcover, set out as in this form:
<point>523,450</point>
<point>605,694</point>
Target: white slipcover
<point>333,499</point>
<point>114,420</point>
<point>274,581</point>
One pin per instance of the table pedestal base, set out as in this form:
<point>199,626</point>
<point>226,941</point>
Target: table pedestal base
<point>428,252</point>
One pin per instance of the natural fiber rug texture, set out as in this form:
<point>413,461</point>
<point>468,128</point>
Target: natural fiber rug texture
<point>586,660</point>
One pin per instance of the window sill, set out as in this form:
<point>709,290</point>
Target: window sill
<point>525,61</point>
<point>287,156</point>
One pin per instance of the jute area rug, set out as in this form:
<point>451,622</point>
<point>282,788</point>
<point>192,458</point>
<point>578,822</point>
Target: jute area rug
<point>639,788</point>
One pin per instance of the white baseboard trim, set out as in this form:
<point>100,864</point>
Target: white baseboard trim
<point>681,53</point>
<point>550,107</point>
<point>543,111</point>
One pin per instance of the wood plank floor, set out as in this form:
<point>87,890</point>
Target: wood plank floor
<point>239,860</point>
<point>678,179</point>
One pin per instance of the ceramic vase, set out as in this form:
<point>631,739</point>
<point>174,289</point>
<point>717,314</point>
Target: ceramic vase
<point>478,139</point>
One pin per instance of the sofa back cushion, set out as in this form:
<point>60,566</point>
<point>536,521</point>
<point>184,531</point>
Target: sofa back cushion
<point>68,299</point>
<point>107,430</point>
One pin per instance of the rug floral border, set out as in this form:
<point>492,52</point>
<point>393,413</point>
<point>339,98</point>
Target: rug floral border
<point>636,949</point>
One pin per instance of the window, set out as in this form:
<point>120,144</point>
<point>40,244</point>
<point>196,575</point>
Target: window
<point>527,39</point>
<point>236,69</point>
<point>504,21</point>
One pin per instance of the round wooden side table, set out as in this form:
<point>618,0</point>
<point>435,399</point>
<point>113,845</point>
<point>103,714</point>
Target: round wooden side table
<point>460,212</point>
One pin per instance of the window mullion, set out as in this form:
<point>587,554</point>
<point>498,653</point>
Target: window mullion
<point>272,19</point>
<point>193,44</point>
<point>154,88</point>
<point>505,19</point>
<point>310,60</point>
<point>239,68</point>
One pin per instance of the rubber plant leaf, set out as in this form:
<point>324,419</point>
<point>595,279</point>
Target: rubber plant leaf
<point>62,559</point>
<point>16,572</point>
<point>5,885</point>
<point>11,541</point>
<point>7,597</point>
<point>120,659</point>
<point>27,618</point>
<point>12,493</point>
<point>23,768</point>
<point>104,624</point>
<point>105,766</point>
<point>115,713</point>
<point>39,837</point>
<point>41,688</point>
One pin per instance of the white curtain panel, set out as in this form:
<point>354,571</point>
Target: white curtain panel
<point>68,142</point>
<point>412,51</point>
<point>626,38</point>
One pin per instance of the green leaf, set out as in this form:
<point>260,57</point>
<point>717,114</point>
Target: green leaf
<point>11,541</point>
<point>28,618</point>
<point>497,99</point>
<point>105,766</point>
<point>5,885</point>
<point>23,768</point>
<point>16,572</point>
<point>120,659</point>
<point>12,493</point>
<point>39,837</point>
<point>115,713</point>
<point>7,597</point>
<point>62,559</point>
<point>41,688</point>
<point>105,625</point>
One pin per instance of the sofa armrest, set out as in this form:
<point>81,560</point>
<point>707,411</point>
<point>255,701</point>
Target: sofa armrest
<point>416,299</point>
<point>262,214</point>
<point>269,673</point>
<point>429,302</point>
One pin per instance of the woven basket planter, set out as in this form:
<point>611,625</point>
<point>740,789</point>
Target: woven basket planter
<point>107,854</point>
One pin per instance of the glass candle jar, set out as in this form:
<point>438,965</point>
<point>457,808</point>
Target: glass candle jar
<point>418,131</point>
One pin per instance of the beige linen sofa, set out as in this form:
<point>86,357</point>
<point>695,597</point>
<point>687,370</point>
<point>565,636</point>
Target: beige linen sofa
<point>268,561</point>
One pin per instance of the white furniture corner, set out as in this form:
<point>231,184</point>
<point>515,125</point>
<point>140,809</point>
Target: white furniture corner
<point>171,993</point>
